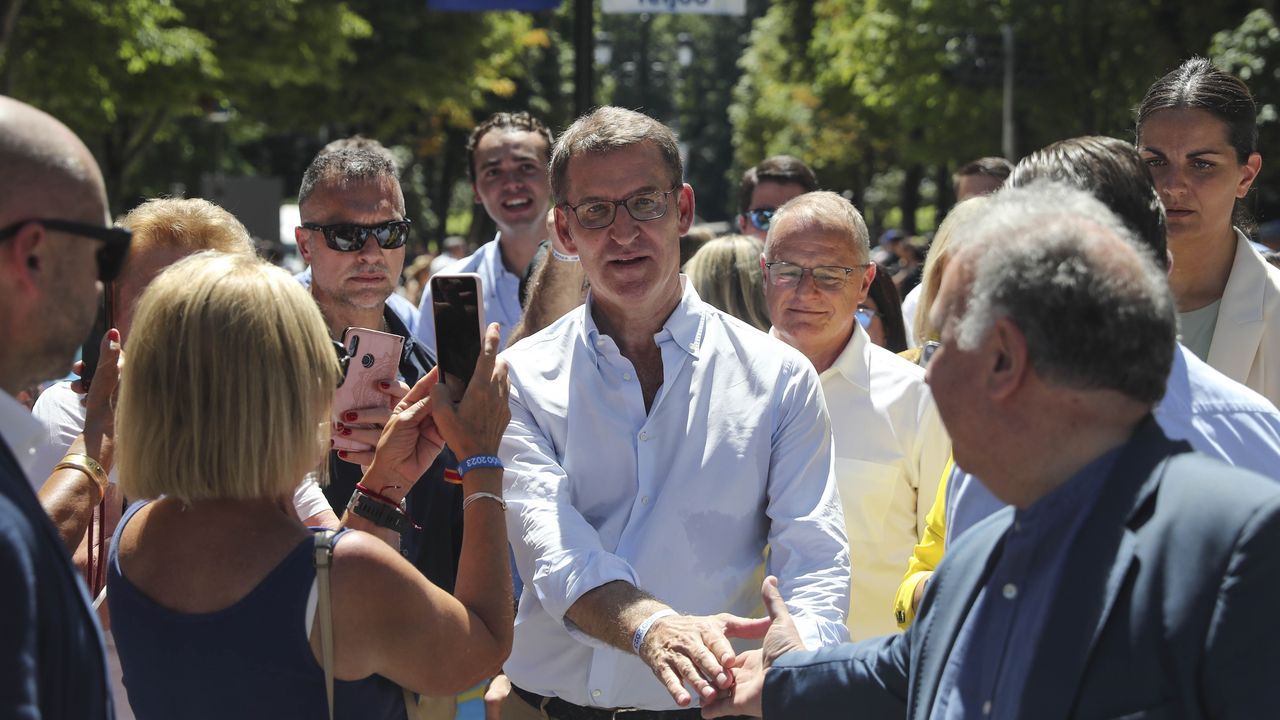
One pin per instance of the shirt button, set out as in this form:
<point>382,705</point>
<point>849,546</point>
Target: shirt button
<point>596,693</point>
<point>644,435</point>
<point>1010,591</point>
<point>626,376</point>
<point>600,344</point>
<point>644,500</point>
<point>986,708</point>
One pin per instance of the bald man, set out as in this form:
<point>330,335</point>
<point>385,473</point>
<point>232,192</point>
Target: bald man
<point>54,248</point>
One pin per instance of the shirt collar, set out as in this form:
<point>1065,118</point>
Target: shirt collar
<point>493,258</point>
<point>20,430</point>
<point>854,362</point>
<point>685,326</point>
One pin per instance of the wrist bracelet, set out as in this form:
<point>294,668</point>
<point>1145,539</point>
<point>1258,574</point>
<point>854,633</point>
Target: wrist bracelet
<point>643,630</point>
<point>478,461</point>
<point>87,465</point>
<point>562,257</point>
<point>482,496</point>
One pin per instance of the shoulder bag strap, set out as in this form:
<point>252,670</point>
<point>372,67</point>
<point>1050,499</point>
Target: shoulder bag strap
<point>324,608</point>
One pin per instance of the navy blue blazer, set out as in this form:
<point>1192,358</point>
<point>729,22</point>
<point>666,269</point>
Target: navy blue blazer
<point>1169,607</point>
<point>52,661</point>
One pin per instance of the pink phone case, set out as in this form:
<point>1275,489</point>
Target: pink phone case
<point>375,356</point>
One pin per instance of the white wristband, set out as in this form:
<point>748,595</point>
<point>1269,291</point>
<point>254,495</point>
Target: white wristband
<point>564,258</point>
<point>643,630</point>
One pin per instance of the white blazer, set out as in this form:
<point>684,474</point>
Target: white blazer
<point>1246,339</point>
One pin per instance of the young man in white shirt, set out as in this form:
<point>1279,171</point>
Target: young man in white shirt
<point>656,447</point>
<point>507,161</point>
<point>890,445</point>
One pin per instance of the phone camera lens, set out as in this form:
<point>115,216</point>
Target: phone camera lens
<point>367,360</point>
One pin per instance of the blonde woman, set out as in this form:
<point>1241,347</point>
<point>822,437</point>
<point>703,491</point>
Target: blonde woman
<point>211,581</point>
<point>726,272</point>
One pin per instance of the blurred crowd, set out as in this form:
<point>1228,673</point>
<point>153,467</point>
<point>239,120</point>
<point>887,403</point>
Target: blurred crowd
<point>691,475</point>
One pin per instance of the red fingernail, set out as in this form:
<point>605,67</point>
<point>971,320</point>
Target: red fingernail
<point>342,454</point>
<point>113,335</point>
<point>346,431</point>
<point>350,416</point>
<point>384,385</point>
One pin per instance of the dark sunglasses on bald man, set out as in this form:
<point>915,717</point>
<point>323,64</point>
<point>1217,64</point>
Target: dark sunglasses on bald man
<point>115,241</point>
<point>348,237</point>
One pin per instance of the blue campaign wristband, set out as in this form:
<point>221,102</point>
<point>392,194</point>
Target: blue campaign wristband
<point>637,639</point>
<point>479,461</point>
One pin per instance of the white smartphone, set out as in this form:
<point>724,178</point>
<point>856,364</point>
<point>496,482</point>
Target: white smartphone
<point>457,309</point>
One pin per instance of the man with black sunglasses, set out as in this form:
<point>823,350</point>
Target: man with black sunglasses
<point>53,250</point>
<point>767,187</point>
<point>353,234</point>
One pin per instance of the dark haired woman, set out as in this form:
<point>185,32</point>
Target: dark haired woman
<point>1197,132</point>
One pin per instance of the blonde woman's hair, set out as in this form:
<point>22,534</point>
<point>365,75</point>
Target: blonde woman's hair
<point>726,273</point>
<point>936,263</point>
<point>230,374</point>
<point>185,224</point>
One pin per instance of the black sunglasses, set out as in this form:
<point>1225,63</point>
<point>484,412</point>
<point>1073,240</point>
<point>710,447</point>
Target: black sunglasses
<point>115,241</point>
<point>761,217</point>
<point>348,237</point>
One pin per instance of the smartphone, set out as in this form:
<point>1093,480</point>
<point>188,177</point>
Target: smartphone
<point>458,313</point>
<point>374,356</point>
<point>106,319</point>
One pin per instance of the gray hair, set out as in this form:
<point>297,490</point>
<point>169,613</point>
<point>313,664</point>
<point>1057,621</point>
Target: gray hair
<point>1087,296</point>
<point>606,129</point>
<point>826,210</point>
<point>348,160</point>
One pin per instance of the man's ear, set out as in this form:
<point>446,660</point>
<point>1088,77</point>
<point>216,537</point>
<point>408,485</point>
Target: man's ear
<point>867,278</point>
<point>562,230</point>
<point>23,256</point>
<point>1009,363</point>
<point>686,208</point>
<point>303,238</point>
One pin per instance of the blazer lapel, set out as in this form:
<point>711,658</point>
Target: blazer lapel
<point>1097,566</point>
<point>1238,332</point>
<point>951,593</point>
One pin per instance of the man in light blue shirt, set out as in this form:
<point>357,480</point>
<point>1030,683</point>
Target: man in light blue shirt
<point>507,161</point>
<point>657,446</point>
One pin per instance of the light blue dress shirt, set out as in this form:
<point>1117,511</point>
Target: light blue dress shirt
<point>1213,413</point>
<point>500,286</point>
<point>681,501</point>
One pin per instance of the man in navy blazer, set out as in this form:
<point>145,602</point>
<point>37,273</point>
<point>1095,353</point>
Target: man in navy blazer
<point>1131,578</point>
<point>52,222</point>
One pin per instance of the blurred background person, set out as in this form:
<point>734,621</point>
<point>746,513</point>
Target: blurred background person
<point>911,254</point>
<point>415,277</point>
<point>880,314</point>
<point>980,177</point>
<point>915,307</point>
<point>1197,131</point>
<point>210,582</point>
<point>767,187</point>
<point>726,273</point>
<point>453,249</point>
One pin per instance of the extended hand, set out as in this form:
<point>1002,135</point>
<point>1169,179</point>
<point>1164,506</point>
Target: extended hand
<point>100,402</point>
<point>692,649</point>
<point>408,445</point>
<point>750,667</point>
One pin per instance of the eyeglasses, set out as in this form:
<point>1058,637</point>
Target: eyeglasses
<point>348,237</point>
<point>826,277</point>
<point>643,206</point>
<point>761,217</point>
<point>865,315</point>
<point>115,242</point>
